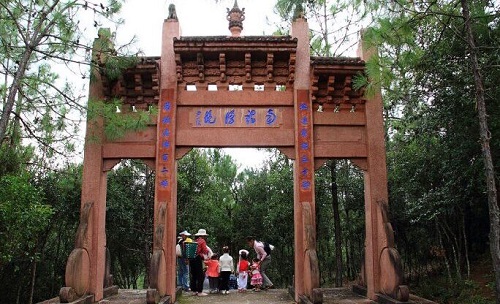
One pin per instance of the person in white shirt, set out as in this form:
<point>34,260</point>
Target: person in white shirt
<point>226,267</point>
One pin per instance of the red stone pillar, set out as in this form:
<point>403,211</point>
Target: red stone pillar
<point>165,210</point>
<point>85,268</point>
<point>375,180</point>
<point>383,272</point>
<point>94,184</point>
<point>306,261</point>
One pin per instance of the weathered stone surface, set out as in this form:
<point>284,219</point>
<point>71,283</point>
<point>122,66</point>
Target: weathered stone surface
<point>78,271</point>
<point>67,294</point>
<point>152,296</point>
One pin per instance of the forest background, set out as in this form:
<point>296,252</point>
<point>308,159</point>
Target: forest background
<point>438,72</point>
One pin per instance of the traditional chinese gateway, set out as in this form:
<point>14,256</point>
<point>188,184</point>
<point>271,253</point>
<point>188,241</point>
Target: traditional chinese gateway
<point>237,91</point>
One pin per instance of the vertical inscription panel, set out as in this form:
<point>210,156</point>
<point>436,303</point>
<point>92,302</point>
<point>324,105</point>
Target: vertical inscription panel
<point>304,147</point>
<point>166,146</point>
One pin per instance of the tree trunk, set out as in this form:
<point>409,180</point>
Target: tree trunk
<point>32,283</point>
<point>336,220</point>
<point>38,33</point>
<point>440,238</point>
<point>485,147</point>
<point>466,245</point>
<point>148,224</point>
<point>450,237</point>
<point>454,243</point>
<point>349,248</point>
<point>13,89</point>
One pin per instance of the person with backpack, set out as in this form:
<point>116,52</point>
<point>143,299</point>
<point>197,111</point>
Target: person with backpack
<point>263,252</point>
<point>182,261</point>
<point>196,264</point>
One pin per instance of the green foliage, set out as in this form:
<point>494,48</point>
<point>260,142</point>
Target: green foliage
<point>13,158</point>
<point>349,183</point>
<point>61,191</point>
<point>115,65</point>
<point>458,291</point>
<point>22,216</point>
<point>117,124</point>
<point>437,190</point>
<point>265,210</point>
<point>129,221</point>
<point>231,206</point>
<point>39,39</point>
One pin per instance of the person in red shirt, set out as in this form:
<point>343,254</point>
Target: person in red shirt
<point>196,264</point>
<point>213,273</point>
<point>242,269</point>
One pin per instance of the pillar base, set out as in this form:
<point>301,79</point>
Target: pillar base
<point>360,290</point>
<point>110,291</point>
<point>153,297</point>
<point>383,299</point>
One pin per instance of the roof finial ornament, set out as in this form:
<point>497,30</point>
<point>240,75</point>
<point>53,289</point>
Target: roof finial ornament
<point>172,14</point>
<point>235,16</point>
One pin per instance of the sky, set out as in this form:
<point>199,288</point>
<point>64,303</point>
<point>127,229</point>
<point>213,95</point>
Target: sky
<point>144,19</point>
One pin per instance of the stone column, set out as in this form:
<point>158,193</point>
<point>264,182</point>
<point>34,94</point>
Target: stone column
<point>383,272</point>
<point>306,262</point>
<point>85,268</point>
<point>163,265</point>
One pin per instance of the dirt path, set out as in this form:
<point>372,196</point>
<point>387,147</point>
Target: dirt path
<point>275,296</point>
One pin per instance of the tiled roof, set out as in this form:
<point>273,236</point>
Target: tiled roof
<point>337,61</point>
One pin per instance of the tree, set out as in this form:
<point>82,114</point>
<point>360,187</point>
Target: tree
<point>431,96</point>
<point>23,216</point>
<point>334,25</point>
<point>265,209</point>
<point>129,224</point>
<point>36,35</point>
<point>484,135</point>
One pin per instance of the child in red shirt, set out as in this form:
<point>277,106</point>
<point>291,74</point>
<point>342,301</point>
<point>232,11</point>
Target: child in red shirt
<point>242,269</point>
<point>213,273</point>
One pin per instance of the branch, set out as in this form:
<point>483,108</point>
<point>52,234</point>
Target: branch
<point>38,139</point>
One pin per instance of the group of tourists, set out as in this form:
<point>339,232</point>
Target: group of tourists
<point>196,261</point>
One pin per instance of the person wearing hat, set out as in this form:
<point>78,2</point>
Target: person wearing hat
<point>196,264</point>
<point>182,262</point>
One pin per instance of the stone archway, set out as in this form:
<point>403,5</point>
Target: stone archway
<point>257,91</point>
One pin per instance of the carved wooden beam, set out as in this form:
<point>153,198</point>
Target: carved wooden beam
<point>138,88</point>
<point>270,67</point>
<point>314,87</point>
<point>248,67</point>
<point>154,79</point>
<point>178,64</point>
<point>222,67</point>
<point>330,88</point>
<point>347,85</point>
<point>201,66</point>
<point>347,88</point>
<point>291,68</point>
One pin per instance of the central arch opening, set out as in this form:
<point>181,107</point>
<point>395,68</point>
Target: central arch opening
<point>235,193</point>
